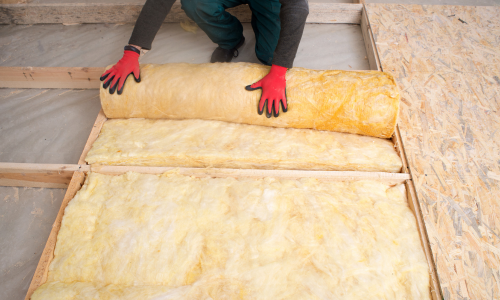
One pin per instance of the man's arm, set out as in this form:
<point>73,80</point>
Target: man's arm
<point>152,15</point>
<point>149,22</point>
<point>293,16</point>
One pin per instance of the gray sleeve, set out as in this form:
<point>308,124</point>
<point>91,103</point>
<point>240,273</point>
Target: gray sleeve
<point>152,15</point>
<point>293,16</point>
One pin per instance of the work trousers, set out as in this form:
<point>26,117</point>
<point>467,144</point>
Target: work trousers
<point>226,30</point>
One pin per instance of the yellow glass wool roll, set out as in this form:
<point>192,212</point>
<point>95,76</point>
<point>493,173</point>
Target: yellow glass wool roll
<point>361,102</point>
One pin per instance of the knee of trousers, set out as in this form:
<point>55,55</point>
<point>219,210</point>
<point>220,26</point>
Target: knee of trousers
<point>202,10</point>
<point>265,57</point>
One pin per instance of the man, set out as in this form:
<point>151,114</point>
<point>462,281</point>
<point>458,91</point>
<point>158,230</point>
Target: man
<point>278,28</point>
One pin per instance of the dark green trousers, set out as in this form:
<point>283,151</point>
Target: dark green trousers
<point>226,30</point>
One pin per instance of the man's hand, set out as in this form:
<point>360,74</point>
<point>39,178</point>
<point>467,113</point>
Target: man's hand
<point>273,87</point>
<point>116,76</point>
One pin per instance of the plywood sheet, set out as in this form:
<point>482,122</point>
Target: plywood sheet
<point>446,60</point>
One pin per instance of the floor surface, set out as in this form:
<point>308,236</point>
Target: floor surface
<point>26,217</point>
<point>46,125</point>
<point>323,46</point>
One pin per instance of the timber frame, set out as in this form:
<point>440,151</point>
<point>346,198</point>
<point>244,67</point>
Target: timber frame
<point>73,176</point>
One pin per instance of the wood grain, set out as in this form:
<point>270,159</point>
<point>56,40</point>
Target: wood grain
<point>388,178</point>
<point>413,203</point>
<point>371,50</point>
<point>80,13</point>
<point>446,60</point>
<point>37,175</point>
<point>42,268</point>
<point>50,77</point>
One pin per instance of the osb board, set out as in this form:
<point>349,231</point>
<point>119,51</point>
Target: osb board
<point>446,60</point>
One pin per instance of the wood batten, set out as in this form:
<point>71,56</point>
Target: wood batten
<point>334,13</point>
<point>59,176</point>
<point>37,175</point>
<point>371,49</point>
<point>85,13</point>
<point>50,77</point>
<point>388,178</point>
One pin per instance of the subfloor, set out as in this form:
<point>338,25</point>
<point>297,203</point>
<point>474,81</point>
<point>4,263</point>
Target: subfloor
<point>52,125</point>
<point>446,61</point>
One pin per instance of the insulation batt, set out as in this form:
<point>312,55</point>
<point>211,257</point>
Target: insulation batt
<point>215,144</point>
<point>365,102</point>
<point>138,236</point>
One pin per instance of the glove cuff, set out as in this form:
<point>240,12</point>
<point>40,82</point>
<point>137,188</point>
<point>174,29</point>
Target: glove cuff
<point>131,48</point>
<point>278,70</point>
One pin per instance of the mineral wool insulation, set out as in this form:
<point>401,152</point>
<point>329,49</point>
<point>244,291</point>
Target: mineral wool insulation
<point>216,144</point>
<point>138,236</point>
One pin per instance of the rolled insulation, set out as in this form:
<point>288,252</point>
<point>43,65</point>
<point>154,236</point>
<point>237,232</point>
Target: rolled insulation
<point>361,102</point>
<point>215,144</point>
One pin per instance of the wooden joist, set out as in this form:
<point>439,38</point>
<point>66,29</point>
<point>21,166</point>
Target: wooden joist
<point>388,178</point>
<point>84,13</point>
<point>50,77</point>
<point>37,175</point>
<point>59,175</point>
<point>371,50</point>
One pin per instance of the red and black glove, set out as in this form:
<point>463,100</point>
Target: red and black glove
<point>129,64</point>
<point>273,87</point>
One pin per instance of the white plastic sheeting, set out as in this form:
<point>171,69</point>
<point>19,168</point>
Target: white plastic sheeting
<point>323,46</point>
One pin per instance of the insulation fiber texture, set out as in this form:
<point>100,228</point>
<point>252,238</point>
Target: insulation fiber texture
<point>216,144</point>
<point>138,236</point>
<point>364,102</point>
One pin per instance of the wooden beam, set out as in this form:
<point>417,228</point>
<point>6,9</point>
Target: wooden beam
<point>12,1</point>
<point>80,13</point>
<point>413,203</point>
<point>334,13</point>
<point>50,77</point>
<point>58,176</point>
<point>388,178</point>
<point>400,149</point>
<point>371,48</point>
<point>37,175</point>
<point>42,268</point>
